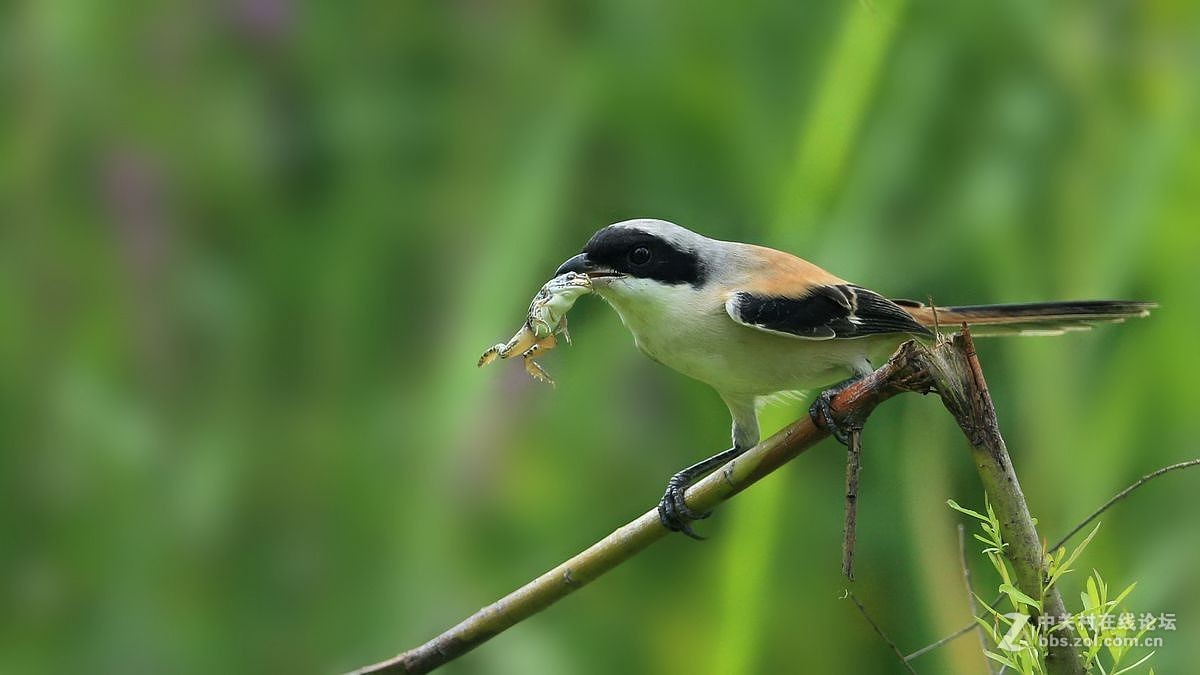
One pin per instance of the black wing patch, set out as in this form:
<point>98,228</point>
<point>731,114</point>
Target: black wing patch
<point>824,313</point>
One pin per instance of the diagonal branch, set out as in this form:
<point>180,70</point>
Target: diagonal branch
<point>900,374</point>
<point>959,380</point>
<point>950,366</point>
<point>1067,537</point>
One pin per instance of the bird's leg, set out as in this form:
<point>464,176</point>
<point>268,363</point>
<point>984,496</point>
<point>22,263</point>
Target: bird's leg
<point>822,414</point>
<point>673,511</point>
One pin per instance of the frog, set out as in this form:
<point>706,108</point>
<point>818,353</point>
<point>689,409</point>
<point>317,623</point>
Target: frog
<point>544,322</point>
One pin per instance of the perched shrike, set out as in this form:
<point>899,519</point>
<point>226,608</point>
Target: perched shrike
<point>751,321</point>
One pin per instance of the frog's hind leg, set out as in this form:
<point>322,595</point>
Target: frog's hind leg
<point>536,371</point>
<point>490,355</point>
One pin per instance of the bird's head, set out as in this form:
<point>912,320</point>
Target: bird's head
<point>644,259</point>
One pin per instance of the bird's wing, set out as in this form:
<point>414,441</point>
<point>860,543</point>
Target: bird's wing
<point>821,311</point>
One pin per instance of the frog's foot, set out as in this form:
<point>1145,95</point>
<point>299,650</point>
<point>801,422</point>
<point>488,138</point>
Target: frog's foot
<point>490,355</point>
<point>536,371</point>
<point>562,330</point>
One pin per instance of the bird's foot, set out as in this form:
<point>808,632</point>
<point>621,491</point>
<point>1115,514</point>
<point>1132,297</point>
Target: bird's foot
<point>673,511</point>
<point>821,413</point>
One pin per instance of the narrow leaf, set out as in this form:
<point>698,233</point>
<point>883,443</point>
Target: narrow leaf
<point>1082,545</point>
<point>962,509</point>
<point>1018,597</point>
<point>1124,593</point>
<point>996,657</point>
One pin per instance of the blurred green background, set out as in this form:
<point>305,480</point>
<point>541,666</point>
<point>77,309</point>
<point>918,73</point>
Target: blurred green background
<point>252,249</point>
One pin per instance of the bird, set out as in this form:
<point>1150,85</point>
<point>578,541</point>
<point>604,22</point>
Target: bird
<point>753,322</point>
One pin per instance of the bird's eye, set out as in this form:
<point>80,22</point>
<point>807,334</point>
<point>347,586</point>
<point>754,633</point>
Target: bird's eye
<point>640,256</point>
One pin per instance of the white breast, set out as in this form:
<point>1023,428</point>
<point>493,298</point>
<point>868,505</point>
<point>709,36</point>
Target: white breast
<point>689,331</point>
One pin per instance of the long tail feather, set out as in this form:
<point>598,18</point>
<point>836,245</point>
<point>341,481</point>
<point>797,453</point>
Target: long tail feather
<point>1035,318</point>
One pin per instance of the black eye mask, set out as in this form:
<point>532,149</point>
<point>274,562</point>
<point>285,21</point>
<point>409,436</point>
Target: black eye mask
<point>615,247</point>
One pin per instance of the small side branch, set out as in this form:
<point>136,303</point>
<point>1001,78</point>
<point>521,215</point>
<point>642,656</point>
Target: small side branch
<point>896,650</point>
<point>849,529</point>
<point>944,641</point>
<point>1122,495</point>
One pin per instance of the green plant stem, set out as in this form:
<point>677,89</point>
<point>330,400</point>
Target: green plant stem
<point>1067,537</point>
<point>959,380</point>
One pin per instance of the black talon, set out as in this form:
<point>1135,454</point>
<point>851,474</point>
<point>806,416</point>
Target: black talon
<point>680,504</point>
<point>822,413</point>
<point>674,513</point>
<point>673,510</point>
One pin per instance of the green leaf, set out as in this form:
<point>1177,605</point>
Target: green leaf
<point>1093,594</point>
<point>1031,660</point>
<point>961,509</point>
<point>1013,640</point>
<point>1078,626</point>
<point>993,612</point>
<point>987,627</point>
<point>1074,554</point>
<point>1124,593</point>
<point>996,657</point>
<point>1000,565</point>
<point>1017,596</point>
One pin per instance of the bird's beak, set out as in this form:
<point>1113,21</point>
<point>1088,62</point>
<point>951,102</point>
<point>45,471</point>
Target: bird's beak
<point>580,264</point>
